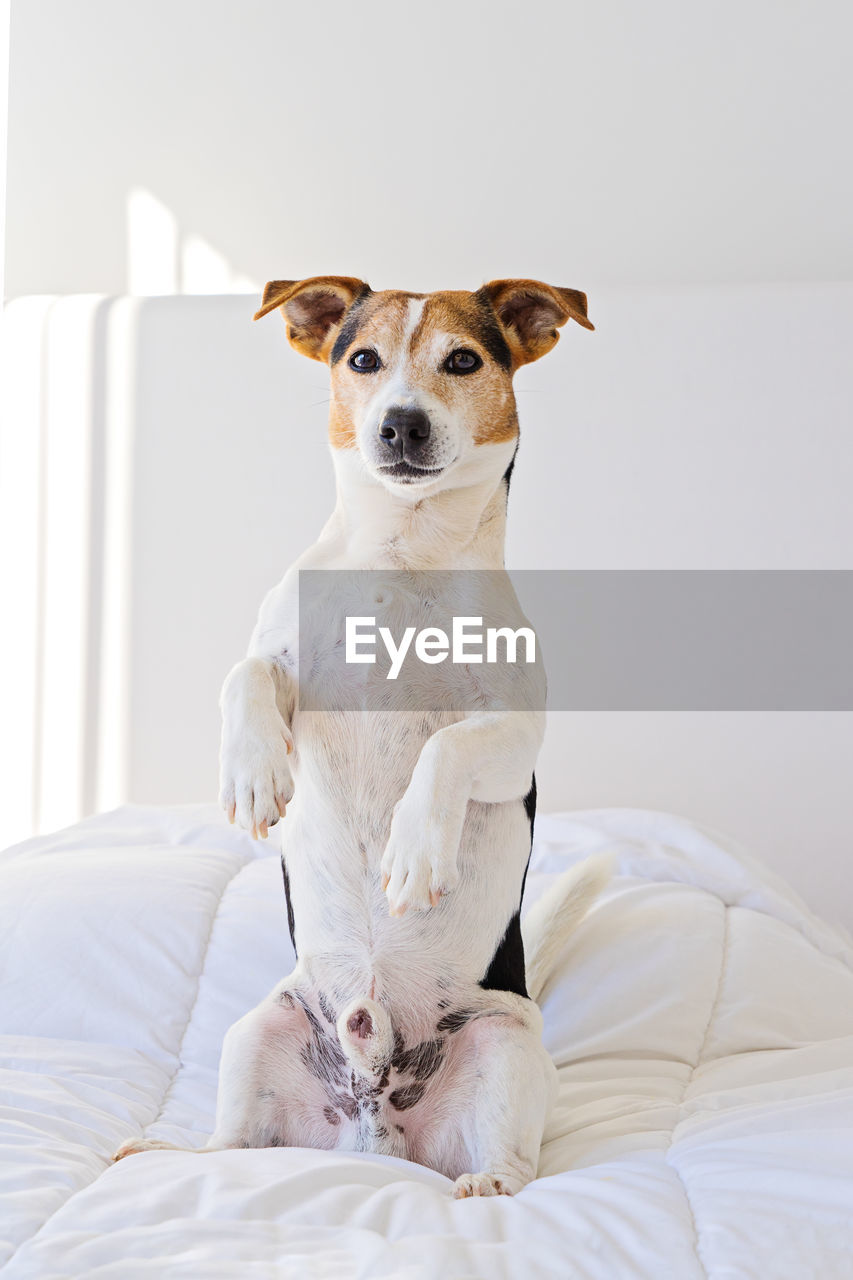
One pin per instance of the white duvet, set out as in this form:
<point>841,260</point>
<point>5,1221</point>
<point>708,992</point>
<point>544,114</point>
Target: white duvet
<point>701,1017</point>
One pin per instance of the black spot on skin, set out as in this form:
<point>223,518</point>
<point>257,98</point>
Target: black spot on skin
<point>346,1104</point>
<point>291,922</point>
<point>455,1021</point>
<point>331,1115</point>
<point>350,326</point>
<point>381,1131</point>
<point>323,1055</point>
<point>325,1008</point>
<point>274,1140</point>
<point>362,1090</point>
<point>423,1060</point>
<point>444,1004</point>
<point>286,999</point>
<point>399,1128</point>
<point>406,1097</point>
<point>399,1044</point>
<point>506,969</point>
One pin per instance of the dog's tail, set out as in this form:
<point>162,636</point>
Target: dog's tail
<point>557,914</point>
<point>366,1037</point>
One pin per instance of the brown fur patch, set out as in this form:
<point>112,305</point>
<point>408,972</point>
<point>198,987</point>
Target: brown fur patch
<point>449,320</point>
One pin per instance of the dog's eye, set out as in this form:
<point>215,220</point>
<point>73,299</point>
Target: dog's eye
<point>462,362</point>
<point>365,361</point>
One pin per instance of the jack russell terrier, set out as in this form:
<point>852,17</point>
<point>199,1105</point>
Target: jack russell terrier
<point>408,1026</point>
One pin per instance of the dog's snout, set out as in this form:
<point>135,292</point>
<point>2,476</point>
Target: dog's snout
<point>404,430</point>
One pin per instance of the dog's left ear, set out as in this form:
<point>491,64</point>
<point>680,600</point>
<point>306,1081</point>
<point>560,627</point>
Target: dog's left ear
<point>530,313</point>
<point>313,309</point>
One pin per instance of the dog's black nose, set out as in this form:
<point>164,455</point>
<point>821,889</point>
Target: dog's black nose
<point>404,430</point>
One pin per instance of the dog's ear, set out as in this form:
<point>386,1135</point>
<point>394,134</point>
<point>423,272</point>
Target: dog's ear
<point>530,313</point>
<point>313,309</point>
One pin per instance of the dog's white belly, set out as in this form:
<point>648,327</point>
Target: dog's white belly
<point>350,770</point>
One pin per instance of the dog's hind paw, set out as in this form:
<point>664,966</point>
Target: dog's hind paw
<point>484,1184</point>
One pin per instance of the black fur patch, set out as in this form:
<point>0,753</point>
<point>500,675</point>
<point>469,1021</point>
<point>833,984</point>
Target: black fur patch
<point>489,331</point>
<point>323,1055</point>
<point>331,1115</point>
<point>506,970</point>
<point>508,475</point>
<point>325,1008</point>
<point>423,1060</point>
<point>455,1021</point>
<point>406,1097</point>
<point>350,326</point>
<point>291,923</point>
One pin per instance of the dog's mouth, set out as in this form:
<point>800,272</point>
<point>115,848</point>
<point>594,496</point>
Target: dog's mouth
<point>406,473</point>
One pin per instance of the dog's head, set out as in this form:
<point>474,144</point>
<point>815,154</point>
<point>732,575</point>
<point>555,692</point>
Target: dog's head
<point>422,383</point>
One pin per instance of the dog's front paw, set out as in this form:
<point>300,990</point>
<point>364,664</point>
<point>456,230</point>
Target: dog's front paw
<point>419,864</point>
<point>256,783</point>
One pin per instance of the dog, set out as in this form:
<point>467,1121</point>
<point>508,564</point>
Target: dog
<point>409,1025</point>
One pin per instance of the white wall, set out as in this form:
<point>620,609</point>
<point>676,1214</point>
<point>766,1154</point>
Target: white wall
<point>433,144</point>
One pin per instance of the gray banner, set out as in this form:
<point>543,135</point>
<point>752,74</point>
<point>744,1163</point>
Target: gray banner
<point>609,640</point>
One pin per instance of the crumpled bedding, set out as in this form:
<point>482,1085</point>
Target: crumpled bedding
<point>701,1018</point>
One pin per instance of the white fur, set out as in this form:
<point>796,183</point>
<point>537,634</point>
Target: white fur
<point>554,917</point>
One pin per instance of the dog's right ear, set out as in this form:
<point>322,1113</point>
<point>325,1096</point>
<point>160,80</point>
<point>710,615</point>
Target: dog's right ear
<point>313,309</point>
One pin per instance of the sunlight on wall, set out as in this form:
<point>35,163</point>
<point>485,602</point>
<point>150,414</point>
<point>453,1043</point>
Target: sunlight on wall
<point>163,259</point>
<point>51,505</point>
<point>152,245</point>
<point>65,561</point>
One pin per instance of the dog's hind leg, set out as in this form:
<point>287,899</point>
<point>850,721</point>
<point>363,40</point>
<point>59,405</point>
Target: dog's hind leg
<point>282,1081</point>
<point>507,1086</point>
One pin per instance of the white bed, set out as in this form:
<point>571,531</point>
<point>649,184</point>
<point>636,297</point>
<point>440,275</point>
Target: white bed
<point>702,1020</point>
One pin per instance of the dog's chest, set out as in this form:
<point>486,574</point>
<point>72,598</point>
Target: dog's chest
<point>370,641</point>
